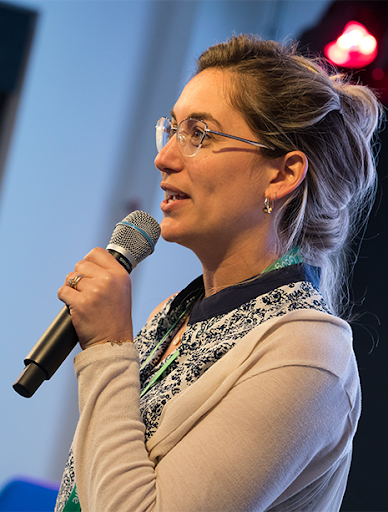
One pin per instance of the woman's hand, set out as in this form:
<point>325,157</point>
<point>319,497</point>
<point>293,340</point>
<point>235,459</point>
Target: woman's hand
<point>101,305</point>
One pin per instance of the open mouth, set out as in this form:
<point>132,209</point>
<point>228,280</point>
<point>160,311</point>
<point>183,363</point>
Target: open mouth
<point>171,196</point>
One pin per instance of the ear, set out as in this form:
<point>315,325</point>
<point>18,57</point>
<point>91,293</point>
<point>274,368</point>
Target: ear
<point>291,171</point>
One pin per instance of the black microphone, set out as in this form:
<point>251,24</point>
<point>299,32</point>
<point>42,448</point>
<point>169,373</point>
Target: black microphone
<point>132,240</point>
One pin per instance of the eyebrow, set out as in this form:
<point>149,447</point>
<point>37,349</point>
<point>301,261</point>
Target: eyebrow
<point>201,116</point>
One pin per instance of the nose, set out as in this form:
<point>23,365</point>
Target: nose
<point>169,159</point>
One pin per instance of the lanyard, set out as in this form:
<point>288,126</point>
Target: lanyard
<point>160,372</point>
<point>291,257</point>
<point>163,339</point>
<point>174,355</point>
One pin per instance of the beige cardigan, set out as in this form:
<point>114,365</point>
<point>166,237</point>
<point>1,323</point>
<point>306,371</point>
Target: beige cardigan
<point>267,427</point>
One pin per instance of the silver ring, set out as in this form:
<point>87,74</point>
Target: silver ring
<point>74,281</point>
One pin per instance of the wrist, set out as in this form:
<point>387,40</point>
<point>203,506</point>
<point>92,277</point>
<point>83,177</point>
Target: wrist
<point>103,342</point>
<point>118,342</point>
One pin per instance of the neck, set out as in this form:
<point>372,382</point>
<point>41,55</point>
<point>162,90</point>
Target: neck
<point>235,267</point>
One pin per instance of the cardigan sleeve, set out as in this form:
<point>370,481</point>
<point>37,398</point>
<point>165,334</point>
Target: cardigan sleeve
<point>273,433</point>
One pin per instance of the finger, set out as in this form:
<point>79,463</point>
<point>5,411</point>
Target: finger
<point>71,287</point>
<point>89,269</point>
<point>86,269</point>
<point>102,258</point>
<point>98,263</point>
<point>67,294</point>
<point>74,281</point>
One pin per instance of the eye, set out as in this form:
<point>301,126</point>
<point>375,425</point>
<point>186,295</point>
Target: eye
<point>196,134</point>
<point>199,134</point>
<point>192,131</point>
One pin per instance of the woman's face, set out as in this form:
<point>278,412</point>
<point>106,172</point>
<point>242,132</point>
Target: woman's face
<point>220,191</point>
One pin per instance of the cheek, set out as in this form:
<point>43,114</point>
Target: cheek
<point>226,178</point>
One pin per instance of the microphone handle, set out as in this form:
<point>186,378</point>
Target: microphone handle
<point>48,354</point>
<point>52,348</point>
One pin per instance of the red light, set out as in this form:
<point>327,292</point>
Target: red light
<point>378,74</point>
<point>355,48</point>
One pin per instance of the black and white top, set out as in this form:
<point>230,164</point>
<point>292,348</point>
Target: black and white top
<point>215,325</point>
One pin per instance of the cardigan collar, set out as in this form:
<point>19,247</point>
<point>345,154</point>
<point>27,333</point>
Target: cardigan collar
<point>234,296</point>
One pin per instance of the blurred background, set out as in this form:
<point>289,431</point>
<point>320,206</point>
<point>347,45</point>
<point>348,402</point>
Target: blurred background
<point>82,84</point>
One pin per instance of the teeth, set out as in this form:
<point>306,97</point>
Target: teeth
<point>172,196</point>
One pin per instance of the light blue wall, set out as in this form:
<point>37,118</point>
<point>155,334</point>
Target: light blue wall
<point>100,74</point>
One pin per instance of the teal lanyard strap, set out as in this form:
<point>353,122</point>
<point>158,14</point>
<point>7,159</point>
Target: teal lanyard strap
<point>291,257</point>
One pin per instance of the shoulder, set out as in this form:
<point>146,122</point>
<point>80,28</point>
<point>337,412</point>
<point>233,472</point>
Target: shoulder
<point>308,337</point>
<point>160,306</point>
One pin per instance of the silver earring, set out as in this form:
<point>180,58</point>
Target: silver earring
<point>268,204</point>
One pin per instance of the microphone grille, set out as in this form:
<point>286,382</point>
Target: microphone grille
<point>135,236</point>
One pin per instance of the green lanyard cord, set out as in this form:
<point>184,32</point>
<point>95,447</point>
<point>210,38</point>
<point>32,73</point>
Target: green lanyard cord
<point>163,339</point>
<point>160,372</point>
<point>169,360</point>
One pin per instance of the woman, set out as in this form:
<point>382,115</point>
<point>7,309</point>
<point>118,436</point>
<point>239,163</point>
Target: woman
<point>241,392</point>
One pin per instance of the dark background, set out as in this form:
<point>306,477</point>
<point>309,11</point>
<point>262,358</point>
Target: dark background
<point>368,487</point>
<point>368,480</point>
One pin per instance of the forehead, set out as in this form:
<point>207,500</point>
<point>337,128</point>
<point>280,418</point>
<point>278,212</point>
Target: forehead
<point>207,94</point>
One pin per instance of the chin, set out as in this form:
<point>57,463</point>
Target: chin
<point>172,231</point>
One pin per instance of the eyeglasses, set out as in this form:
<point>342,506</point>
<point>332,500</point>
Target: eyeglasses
<point>191,134</point>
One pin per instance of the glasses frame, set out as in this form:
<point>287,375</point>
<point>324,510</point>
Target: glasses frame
<point>176,129</point>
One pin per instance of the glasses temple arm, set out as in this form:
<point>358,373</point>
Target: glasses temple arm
<point>254,143</point>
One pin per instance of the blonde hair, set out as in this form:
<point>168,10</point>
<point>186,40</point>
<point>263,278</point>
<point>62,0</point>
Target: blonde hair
<point>294,102</point>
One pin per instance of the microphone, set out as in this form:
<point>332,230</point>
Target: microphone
<point>133,239</point>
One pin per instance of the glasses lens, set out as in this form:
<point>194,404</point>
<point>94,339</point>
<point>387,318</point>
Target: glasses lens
<point>163,132</point>
<point>191,133</point>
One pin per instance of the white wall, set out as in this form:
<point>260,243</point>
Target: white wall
<point>100,74</point>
